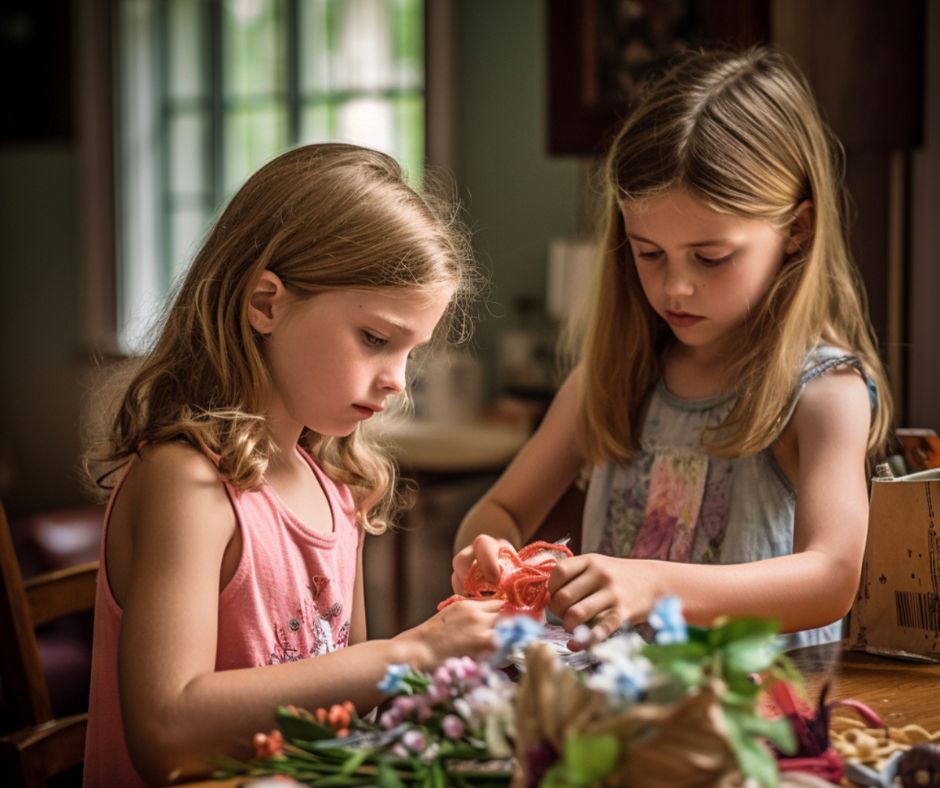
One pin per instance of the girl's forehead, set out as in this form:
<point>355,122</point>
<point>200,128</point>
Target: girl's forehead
<point>405,298</point>
<point>671,204</point>
<point>680,212</point>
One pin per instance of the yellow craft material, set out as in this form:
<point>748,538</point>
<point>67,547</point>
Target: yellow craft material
<point>854,741</point>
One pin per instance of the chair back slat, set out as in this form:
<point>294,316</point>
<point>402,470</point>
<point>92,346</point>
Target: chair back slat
<point>62,593</point>
<point>40,746</point>
<point>24,685</point>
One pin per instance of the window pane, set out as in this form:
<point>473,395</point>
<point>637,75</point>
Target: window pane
<point>317,42</point>
<point>187,145</point>
<point>408,42</point>
<point>317,122</point>
<point>186,45</point>
<point>254,50</point>
<point>138,167</point>
<point>362,57</point>
<point>366,121</point>
<point>252,136</point>
<point>409,136</point>
<point>186,226</point>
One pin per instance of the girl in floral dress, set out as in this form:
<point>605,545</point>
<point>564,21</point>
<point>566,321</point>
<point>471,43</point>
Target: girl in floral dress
<point>727,390</point>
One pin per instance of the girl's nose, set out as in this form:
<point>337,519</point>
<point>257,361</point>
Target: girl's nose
<point>676,281</point>
<point>393,377</point>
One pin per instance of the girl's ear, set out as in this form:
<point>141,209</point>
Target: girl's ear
<point>266,302</point>
<point>800,231</point>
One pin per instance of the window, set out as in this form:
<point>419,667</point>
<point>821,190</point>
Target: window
<point>211,89</point>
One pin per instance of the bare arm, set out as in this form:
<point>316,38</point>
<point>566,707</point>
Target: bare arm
<point>357,629</point>
<point>178,711</point>
<point>515,506</point>
<point>812,587</point>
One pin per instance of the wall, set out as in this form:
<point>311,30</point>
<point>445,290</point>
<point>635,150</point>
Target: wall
<point>924,291</point>
<point>517,198</point>
<point>40,353</point>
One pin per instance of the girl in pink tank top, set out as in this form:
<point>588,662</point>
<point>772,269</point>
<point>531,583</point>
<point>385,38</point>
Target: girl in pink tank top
<point>231,563</point>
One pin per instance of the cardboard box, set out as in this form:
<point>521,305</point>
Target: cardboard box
<point>897,610</point>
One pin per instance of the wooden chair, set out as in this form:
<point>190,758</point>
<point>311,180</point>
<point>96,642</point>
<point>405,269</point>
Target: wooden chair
<point>39,746</point>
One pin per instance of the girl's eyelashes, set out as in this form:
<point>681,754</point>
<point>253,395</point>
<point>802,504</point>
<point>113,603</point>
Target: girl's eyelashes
<point>708,262</point>
<point>373,340</point>
<point>711,262</point>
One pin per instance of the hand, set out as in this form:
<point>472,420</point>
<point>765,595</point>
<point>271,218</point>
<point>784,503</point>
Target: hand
<point>461,629</point>
<point>485,551</point>
<point>601,592</point>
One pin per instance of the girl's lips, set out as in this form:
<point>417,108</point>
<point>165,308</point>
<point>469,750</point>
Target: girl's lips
<point>682,319</point>
<point>366,411</point>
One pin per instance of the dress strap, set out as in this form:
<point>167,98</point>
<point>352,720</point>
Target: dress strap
<point>834,362</point>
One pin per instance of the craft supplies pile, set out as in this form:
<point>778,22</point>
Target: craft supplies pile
<point>717,706</point>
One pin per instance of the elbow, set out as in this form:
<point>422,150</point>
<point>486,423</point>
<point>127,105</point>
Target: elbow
<point>838,587</point>
<point>159,761</point>
<point>164,750</point>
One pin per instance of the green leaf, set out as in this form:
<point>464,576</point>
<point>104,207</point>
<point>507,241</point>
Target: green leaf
<point>754,758</point>
<point>663,654</point>
<point>749,654</point>
<point>355,760</point>
<point>387,777</point>
<point>785,670</point>
<point>737,629</point>
<point>438,778</point>
<point>294,727</point>
<point>587,760</point>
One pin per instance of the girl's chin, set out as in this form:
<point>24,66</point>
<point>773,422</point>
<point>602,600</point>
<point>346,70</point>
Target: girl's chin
<point>335,430</point>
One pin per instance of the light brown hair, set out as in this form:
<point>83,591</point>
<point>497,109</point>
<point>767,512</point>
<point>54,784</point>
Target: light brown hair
<point>741,132</point>
<point>321,217</point>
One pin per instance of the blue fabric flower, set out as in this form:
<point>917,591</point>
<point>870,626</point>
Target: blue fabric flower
<point>624,681</point>
<point>516,632</point>
<point>513,634</point>
<point>666,618</point>
<point>394,680</point>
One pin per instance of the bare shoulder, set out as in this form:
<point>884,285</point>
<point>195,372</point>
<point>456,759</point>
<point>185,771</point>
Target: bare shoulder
<point>834,404</point>
<point>177,463</point>
<point>180,485</point>
<point>172,502</point>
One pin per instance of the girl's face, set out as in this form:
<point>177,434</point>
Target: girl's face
<point>701,271</point>
<point>334,358</point>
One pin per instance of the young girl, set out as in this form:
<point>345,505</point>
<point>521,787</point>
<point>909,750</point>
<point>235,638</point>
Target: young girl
<point>232,548</point>
<point>720,395</point>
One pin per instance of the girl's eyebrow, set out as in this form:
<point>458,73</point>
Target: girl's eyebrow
<point>395,324</point>
<point>710,242</point>
<point>403,329</point>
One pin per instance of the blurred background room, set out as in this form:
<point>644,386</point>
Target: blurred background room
<point>125,124</point>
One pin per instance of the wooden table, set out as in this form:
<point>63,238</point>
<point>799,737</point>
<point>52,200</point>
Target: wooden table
<point>899,691</point>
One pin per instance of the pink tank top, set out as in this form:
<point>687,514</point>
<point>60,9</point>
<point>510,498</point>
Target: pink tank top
<point>290,599</point>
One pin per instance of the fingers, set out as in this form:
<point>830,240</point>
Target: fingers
<point>469,626</point>
<point>565,571</point>
<point>486,552</point>
<point>585,592</point>
<point>605,626</point>
<point>461,565</point>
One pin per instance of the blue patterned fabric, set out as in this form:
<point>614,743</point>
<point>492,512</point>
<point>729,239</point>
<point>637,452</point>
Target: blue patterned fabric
<point>675,502</point>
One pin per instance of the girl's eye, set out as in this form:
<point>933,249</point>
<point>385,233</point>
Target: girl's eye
<point>649,255</point>
<point>711,262</point>
<point>372,340</point>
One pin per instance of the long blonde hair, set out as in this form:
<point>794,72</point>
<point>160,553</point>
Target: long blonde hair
<point>321,217</point>
<point>742,132</point>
